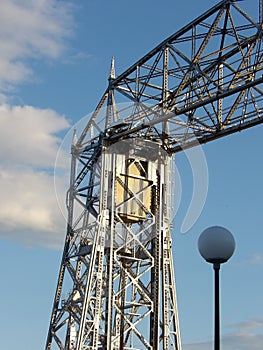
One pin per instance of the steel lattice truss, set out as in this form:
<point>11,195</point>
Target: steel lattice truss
<point>201,83</point>
<point>116,287</point>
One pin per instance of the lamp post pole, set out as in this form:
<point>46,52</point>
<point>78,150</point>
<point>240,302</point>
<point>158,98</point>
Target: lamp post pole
<point>216,245</point>
<point>217,307</point>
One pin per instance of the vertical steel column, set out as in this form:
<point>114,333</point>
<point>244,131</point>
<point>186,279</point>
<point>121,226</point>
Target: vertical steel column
<point>70,206</point>
<point>216,267</point>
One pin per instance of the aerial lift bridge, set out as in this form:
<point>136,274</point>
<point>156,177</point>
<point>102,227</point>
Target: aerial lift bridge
<point>116,287</point>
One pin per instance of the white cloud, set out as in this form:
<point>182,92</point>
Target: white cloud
<point>245,335</point>
<point>28,135</point>
<point>29,144</point>
<point>30,29</point>
<point>28,204</point>
<point>198,346</point>
<point>257,259</point>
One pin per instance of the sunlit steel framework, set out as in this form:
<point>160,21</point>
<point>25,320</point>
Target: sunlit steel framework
<point>116,285</point>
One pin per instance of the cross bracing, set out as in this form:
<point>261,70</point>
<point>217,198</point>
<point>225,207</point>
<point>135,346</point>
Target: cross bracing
<point>116,286</point>
<point>203,82</point>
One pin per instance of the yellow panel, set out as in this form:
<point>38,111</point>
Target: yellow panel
<point>133,181</point>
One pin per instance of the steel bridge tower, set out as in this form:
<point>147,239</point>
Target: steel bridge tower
<point>116,286</point>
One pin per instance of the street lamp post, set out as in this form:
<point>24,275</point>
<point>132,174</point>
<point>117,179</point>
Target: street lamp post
<point>216,245</point>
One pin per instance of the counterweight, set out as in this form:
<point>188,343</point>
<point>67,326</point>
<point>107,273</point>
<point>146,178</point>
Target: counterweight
<point>116,287</point>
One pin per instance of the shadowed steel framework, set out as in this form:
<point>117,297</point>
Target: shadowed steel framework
<point>116,286</point>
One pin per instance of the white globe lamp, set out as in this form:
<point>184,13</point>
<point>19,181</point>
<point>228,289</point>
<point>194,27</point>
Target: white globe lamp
<point>216,245</point>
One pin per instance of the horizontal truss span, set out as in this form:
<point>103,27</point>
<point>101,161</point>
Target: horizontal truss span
<point>201,83</point>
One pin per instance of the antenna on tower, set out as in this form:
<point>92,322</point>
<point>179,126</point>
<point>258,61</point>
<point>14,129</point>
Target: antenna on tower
<point>112,69</point>
<point>74,138</point>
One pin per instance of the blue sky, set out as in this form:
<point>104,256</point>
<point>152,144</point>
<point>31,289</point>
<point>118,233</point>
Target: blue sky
<point>54,65</point>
